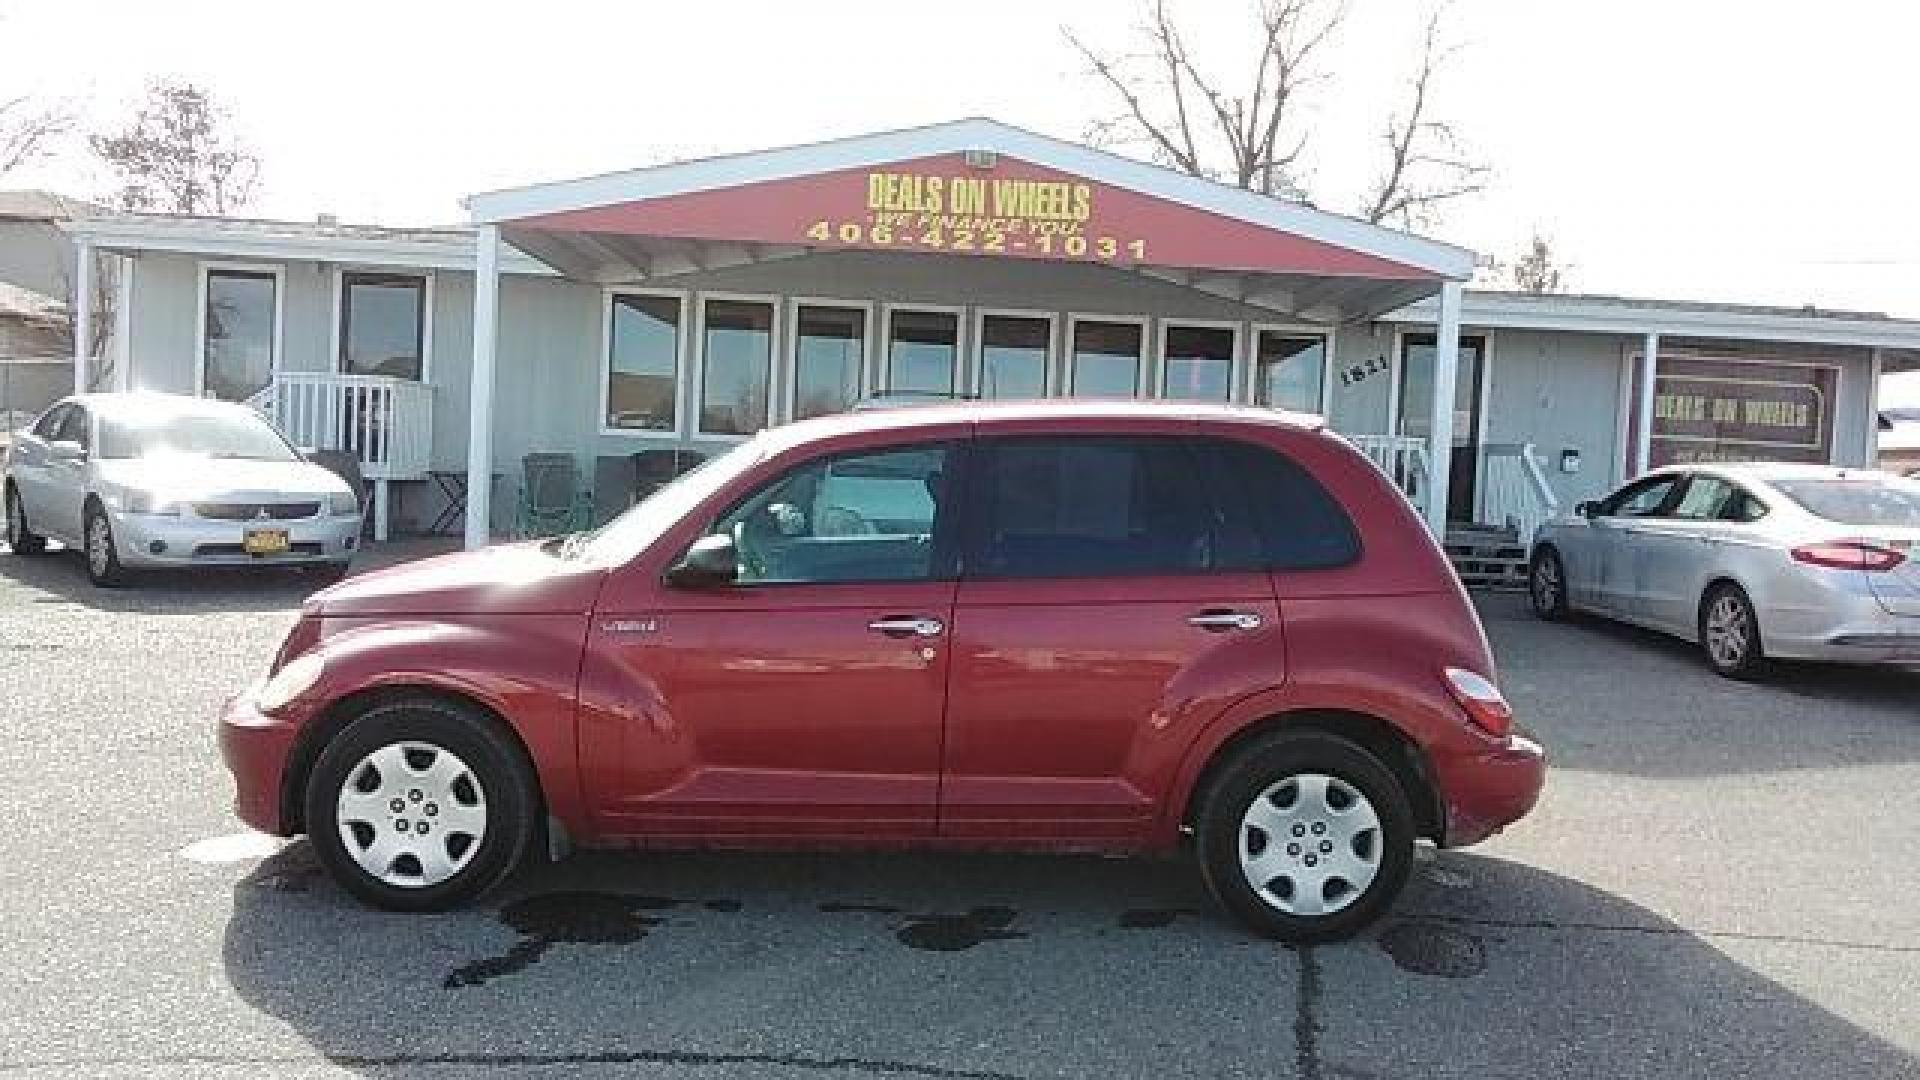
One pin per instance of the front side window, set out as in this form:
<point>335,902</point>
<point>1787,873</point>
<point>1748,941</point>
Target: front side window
<point>1706,498</point>
<point>1643,499</point>
<point>643,361</point>
<point>1093,506</point>
<point>1106,359</point>
<point>1013,355</point>
<point>829,348</point>
<point>1199,362</point>
<point>865,516</point>
<point>74,429</point>
<point>50,421</point>
<point>383,325</point>
<point>737,366</point>
<point>239,331</point>
<point>922,347</point>
<point>1289,371</point>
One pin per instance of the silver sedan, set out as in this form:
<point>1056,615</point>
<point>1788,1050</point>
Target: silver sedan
<point>1749,560</point>
<point>157,480</point>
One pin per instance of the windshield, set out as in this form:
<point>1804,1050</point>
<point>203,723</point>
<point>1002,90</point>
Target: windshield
<point>631,532</point>
<point>213,433</point>
<point>1858,500</point>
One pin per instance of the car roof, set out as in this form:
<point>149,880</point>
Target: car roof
<point>908,417</point>
<point>122,404</point>
<point>1772,471</point>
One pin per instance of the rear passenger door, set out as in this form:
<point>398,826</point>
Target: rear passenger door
<point>1109,590</point>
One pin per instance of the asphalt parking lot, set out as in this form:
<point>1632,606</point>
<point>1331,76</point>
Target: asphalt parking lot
<point>1721,881</point>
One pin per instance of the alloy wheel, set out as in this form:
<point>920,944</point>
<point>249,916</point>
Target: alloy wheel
<point>1546,584</point>
<point>99,546</point>
<point>1729,630</point>
<point>412,814</point>
<point>16,525</point>
<point>1310,844</point>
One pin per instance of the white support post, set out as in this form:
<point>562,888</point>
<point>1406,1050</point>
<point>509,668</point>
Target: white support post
<point>380,519</point>
<point>82,314</point>
<point>486,310</point>
<point>1643,404</point>
<point>1446,366</point>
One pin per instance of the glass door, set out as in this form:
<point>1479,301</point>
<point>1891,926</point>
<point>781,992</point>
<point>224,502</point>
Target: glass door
<point>1416,413</point>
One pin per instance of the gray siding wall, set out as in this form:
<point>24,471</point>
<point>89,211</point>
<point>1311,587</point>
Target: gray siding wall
<point>1559,392</point>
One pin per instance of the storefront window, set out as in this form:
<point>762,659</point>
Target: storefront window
<point>829,347</point>
<point>1013,356</point>
<point>1289,371</point>
<point>1199,362</point>
<point>1106,359</point>
<point>383,325</point>
<point>737,355</point>
<point>921,349</point>
<point>643,365</point>
<point>241,311</point>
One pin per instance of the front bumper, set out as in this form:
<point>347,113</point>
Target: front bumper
<point>256,748</point>
<point>1488,790</point>
<point>185,540</point>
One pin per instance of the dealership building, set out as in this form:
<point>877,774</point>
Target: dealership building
<point>637,321</point>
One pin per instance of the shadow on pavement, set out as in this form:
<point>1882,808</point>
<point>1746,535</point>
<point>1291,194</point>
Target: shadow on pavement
<point>1000,966</point>
<point>58,577</point>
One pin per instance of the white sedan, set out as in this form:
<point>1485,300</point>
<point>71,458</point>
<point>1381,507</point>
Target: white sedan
<point>139,480</point>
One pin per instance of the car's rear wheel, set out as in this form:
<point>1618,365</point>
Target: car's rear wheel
<point>1730,632</point>
<point>21,540</point>
<point>1306,837</point>
<point>1547,585</point>
<point>103,557</point>
<point>420,805</point>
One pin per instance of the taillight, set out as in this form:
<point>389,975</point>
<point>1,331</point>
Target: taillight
<point>1482,701</point>
<point>1848,555</point>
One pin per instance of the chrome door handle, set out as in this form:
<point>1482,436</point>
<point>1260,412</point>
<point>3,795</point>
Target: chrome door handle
<point>905,627</point>
<point>1225,620</point>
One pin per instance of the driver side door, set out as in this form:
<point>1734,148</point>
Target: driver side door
<point>1617,528</point>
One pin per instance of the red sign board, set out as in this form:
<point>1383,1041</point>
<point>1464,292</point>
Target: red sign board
<point>1011,209</point>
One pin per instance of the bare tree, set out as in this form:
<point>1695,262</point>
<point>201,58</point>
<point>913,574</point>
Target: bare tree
<point>29,130</point>
<point>1246,131</point>
<point>1425,163</point>
<point>1537,271</point>
<point>178,156</point>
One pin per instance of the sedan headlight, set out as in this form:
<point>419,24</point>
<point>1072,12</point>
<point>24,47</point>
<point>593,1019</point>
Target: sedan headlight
<point>148,502</point>
<point>342,504</point>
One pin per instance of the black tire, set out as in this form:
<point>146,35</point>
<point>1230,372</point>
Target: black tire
<point>505,786</point>
<point>1743,654</point>
<point>21,540</point>
<point>1547,585</point>
<point>103,567</point>
<point>1258,769</point>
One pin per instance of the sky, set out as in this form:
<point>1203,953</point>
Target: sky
<point>1756,151</point>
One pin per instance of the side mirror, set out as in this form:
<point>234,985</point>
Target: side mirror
<point>710,561</point>
<point>1587,509</point>
<point>66,450</point>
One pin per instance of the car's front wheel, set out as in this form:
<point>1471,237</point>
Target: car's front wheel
<point>1547,585</point>
<point>420,805</point>
<point>1306,837</point>
<point>103,557</point>
<point>1730,632</point>
<point>21,540</point>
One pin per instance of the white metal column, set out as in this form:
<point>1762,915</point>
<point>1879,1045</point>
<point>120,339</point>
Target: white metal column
<point>1643,405</point>
<point>82,294</point>
<point>486,310</point>
<point>1446,367</point>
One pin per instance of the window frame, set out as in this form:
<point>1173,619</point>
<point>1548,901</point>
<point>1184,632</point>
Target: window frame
<point>1329,337</point>
<point>1235,362</point>
<point>977,355</point>
<point>883,366</point>
<point>206,269</point>
<point>1143,375</point>
<point>338,343</point>
<point>790,374</point>
<point>697,381</point>
<point>682,346</point>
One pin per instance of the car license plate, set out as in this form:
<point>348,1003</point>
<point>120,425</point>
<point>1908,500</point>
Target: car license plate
<point>266,541</point>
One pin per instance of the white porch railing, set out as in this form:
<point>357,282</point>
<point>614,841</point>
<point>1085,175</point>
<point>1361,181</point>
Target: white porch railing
<point>387,424</point>
<point>1403,459</point>
<point>1514,493</point>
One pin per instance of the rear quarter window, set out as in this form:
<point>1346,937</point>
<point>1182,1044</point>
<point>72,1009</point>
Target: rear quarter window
<point>1863,500</point>
<point>1300,525</point>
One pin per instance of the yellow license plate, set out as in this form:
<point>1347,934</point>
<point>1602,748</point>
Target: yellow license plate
<point>266,541</point>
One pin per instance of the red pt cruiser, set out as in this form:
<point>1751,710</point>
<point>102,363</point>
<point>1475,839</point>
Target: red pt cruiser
<point>1113,626</point>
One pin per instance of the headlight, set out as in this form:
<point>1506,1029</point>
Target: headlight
<point>147,502</point>
<point>296,678</point>
<point>342,503</point>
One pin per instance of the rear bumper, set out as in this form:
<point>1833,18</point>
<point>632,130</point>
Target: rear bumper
<point>256,747</point>
<point>1491,789</point>
<point>183,540</point>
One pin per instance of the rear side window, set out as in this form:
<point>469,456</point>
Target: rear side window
<point>1095,506</point>
<point>1858,500</point>
<point>1298,522</point>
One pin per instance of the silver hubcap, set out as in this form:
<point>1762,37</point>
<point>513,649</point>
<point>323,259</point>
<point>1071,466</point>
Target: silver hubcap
<point>1546,584</point>
<point>1728,631</point>
<point>412,814</point>
<point>1310,844</point>
<point>99,546</point>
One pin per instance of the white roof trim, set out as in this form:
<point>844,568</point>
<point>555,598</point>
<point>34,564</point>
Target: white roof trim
<point>223,239</point>
<point>506,206</point>
<point>1494,311</point>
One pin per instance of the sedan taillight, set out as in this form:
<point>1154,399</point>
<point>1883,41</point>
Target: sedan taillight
<point>1482,700</point>
<point>1848,555</point>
